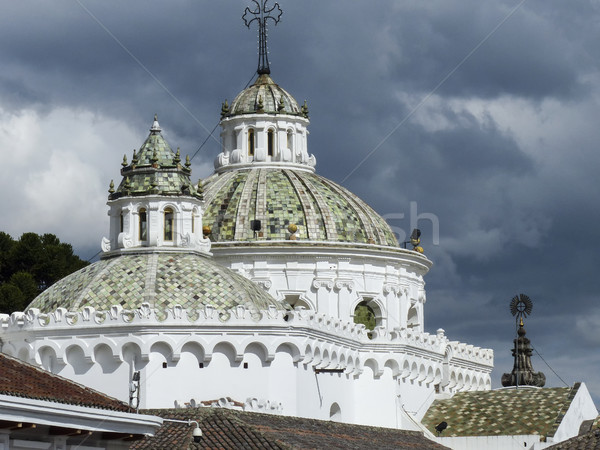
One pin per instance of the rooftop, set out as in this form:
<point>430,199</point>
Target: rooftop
<point>162,279</point>
<point>19,379</point>
<point>227,428</point>
<point>521,411</point>
<point>320,209</point>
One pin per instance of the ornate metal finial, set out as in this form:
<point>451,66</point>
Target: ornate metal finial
<point>521,306</point>
<point>261,14</point>
<point>522,373</point>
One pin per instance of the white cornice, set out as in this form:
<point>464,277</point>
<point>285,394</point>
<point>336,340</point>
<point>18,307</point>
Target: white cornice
<point>19,409</point>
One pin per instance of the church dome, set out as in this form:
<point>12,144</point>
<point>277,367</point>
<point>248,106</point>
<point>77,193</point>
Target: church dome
<point>161,279</point>
<point>320,209</point>
<point>264,96</point>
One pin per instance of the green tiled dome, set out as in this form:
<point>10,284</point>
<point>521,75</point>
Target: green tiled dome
<point>155,169</point>
<point>264,96</point>
<point>322,209</point>
<point>161,279</point>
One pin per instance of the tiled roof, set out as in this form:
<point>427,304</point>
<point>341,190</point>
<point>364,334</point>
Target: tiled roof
<point>321,209</point>
<point>226,429</point>
<point>509,411</point>
<point>264,96</point>
<point>161,279</point>
<point>19,379</point>
<point>585,441</point>
<point>155,170</point>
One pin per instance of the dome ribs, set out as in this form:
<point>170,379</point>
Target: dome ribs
<point>311,217</point>
<point>227,203</point>
<point>220,181</point>
<point>369,229</point>
<point>261,197</point>
<point>150,280</point>
<point>327,220</point>
<point>242,216</point>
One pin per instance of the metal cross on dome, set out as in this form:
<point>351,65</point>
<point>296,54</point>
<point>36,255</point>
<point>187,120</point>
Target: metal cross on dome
<point>261,14</point>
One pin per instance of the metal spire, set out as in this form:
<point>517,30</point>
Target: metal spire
<point>261,14</point>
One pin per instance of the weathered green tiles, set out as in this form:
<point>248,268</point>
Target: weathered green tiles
<point>501,412</point>
<point>322,210</point>
<point>163,280</point>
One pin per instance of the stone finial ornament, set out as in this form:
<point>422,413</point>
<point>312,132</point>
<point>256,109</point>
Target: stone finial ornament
<point>224,109</point>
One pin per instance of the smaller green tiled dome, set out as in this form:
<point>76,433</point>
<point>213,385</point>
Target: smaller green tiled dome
<point>155,170</point>
<point>161,279</point>
<point>264,96</point>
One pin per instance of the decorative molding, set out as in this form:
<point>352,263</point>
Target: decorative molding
<point>264,283</point>
<point>341,283</point>
<point>326,283</point>
<point>389,288</point>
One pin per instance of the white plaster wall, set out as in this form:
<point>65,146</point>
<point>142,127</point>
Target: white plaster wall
<point>581,408</point>
<point>333,282</point>
<point>388,380</point>
<point>517,442</point>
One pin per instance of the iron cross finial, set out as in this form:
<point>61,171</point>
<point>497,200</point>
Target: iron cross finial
<point>261,14</point>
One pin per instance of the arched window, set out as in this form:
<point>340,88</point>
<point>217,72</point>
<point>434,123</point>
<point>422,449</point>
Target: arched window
<point>251,142</point>
<point>294,300</point>
<point>169,224</point>
<point>270,142</point>
<point>335,412</point>
<point>369,313</point>
<point>121,223</point>
<point>363,313</point>
<point>413,317</point>
<point>193,221</point>
<point>143,229</point>
<point>290,140</point>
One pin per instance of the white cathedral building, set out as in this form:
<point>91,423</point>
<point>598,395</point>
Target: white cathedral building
<point>245,286</point>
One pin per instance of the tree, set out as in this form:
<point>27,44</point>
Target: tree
<point>31,265</point>
<point>11,298</point>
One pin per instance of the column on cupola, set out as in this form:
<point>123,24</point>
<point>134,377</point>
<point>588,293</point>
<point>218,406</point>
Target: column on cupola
<point>154,224</point>
<point>323,287</point>
<point>403,305</point>
<point>392,293</point>
<point>344,288</point>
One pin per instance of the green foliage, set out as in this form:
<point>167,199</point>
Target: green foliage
<point>365,315</point>
<point>30,265</point>
<point>11,298</point>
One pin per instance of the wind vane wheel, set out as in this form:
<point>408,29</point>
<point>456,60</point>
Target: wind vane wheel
<point>521,306</point>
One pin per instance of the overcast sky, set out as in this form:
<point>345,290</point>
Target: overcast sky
<point>484,114</point>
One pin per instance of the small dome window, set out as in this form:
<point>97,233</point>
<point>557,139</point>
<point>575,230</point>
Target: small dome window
<point>143,228</point>
<point>270,142</point>
<point>169,224</point>
<point>251,142</point>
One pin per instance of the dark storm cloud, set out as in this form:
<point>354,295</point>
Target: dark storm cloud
<point>504,153</point>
